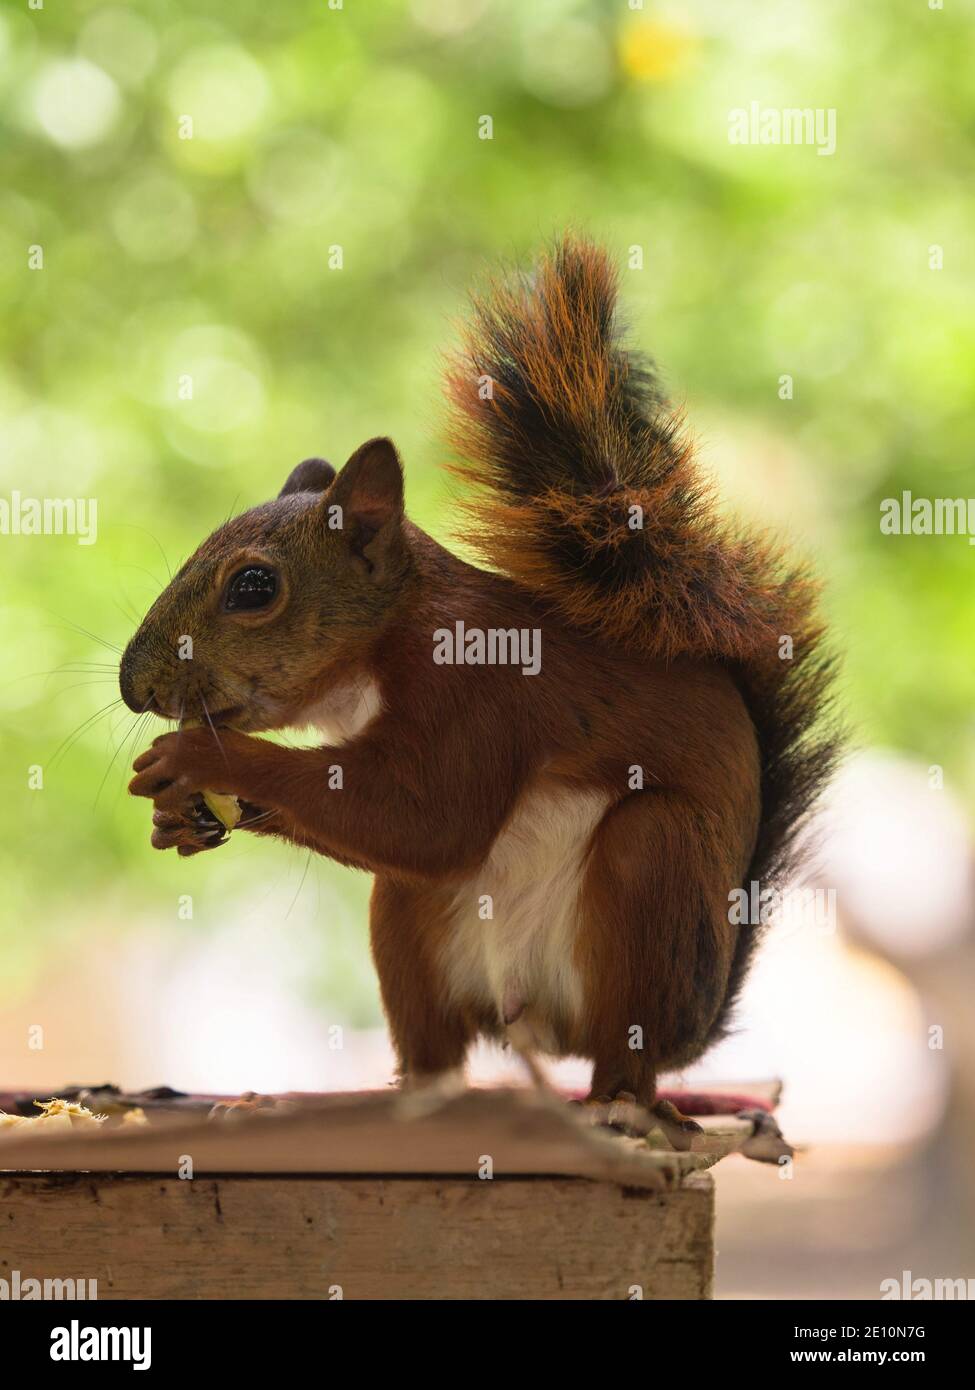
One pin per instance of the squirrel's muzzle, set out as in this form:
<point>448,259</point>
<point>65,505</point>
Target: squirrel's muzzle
<point>128,681</point>
<point>135,681</point>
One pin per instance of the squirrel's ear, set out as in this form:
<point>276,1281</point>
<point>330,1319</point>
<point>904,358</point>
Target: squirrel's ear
<point>312,475</point>
<point>369,490</point>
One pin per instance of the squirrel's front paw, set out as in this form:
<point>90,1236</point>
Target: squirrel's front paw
<point>189,827</point>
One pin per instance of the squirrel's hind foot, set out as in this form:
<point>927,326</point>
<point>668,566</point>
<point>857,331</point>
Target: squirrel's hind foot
<point>623,1113</point>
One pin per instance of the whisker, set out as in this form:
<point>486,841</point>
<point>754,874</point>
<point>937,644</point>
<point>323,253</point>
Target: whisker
<point>78,685</point>
<point>125,740</point>
<point>132,742</point>
<point>109,672</point>
<point>141,569</point>
<point>113,724</point>
<point>130,615</point>
<point>82,669</point>
<point>300,886</point>
<point>213,730</point>
<point>129,742</point>
<point>131,526</point>
<point>64,747</point>
<point>104,668</point>
<point>85,633</point>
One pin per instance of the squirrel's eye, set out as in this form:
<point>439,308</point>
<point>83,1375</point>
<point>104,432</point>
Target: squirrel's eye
<point>253,587</point>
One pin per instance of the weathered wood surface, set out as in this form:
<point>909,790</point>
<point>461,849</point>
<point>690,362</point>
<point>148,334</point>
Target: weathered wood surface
<point>359,1238</point>
<point>524,1132</point>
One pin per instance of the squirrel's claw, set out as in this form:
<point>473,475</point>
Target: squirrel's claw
<point>190,829</point>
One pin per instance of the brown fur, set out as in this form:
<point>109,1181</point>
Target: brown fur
<point>659,650</point>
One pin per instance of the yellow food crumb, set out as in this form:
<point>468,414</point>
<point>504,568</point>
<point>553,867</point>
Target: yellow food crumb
<point>55,1115</point>
<point>225,808</point>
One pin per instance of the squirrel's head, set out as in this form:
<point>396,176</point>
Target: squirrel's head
<point>278,602</point>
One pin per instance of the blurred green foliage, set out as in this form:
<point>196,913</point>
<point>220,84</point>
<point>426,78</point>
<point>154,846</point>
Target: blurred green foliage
<point>315,128</point>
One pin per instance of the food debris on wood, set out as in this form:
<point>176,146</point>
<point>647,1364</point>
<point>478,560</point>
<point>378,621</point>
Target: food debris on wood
<point>59,1115</point>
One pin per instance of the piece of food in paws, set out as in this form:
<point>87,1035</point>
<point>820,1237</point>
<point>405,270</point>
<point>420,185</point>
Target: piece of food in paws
<point>225,808</point>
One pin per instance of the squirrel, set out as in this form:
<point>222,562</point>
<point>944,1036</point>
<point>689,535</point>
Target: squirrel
<point>559,768</point>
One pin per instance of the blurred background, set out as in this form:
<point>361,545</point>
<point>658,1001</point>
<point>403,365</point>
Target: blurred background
<point>232,236</point>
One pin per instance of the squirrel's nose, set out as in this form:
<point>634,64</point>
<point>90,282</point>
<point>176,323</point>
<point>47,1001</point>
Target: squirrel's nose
<point>137,696</point>
<point>148,705</point>
<point>126,684</point>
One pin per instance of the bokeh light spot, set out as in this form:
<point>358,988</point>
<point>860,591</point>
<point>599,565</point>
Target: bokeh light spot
<point>568,65</point>
<point>654,52</point>
<point>155,219</point>
<point>122,43</point>
<point>223,89</point>
<point>75,102</point>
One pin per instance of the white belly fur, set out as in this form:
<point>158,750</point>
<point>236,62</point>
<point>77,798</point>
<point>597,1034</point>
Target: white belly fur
<point>346,711</point>
<point>523,954</point>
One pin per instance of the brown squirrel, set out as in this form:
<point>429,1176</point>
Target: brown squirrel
<point>559,768</point>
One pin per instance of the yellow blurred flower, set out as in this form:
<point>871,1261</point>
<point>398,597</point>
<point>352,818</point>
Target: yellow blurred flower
<point>653,51</point>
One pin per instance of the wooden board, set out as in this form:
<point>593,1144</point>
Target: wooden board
<point>523,1132</point>
<point>359,1238</point>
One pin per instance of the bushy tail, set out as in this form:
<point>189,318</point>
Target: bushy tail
<point>586,492</point>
